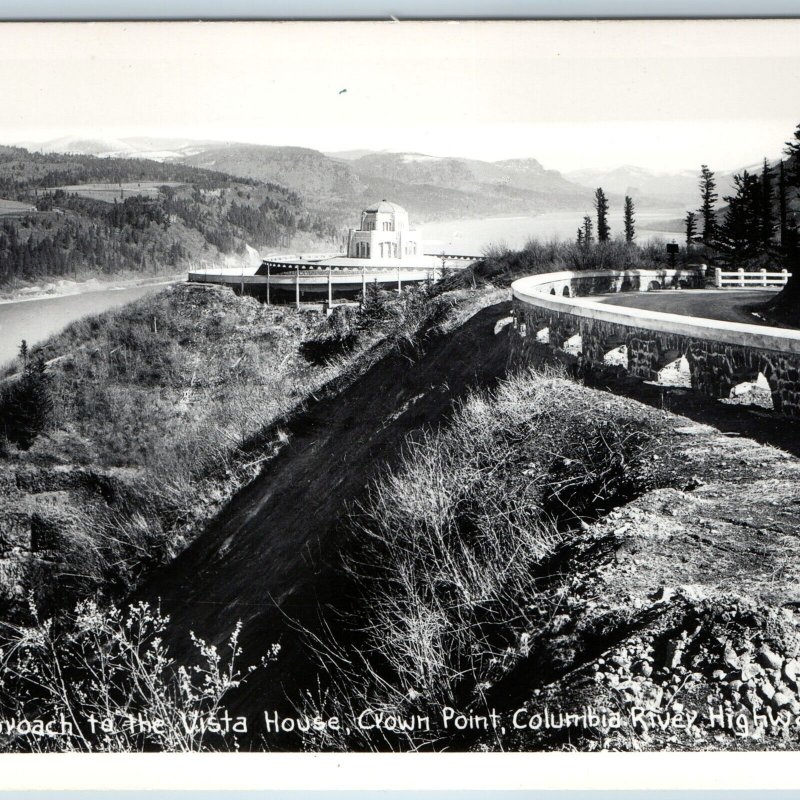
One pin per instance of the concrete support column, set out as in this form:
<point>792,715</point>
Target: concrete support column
<point>718,277</point>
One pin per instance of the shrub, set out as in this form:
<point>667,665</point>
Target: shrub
<point>500,265</point>
<point>26,406</point>
<point>445,553</point>
<point>105,680</point>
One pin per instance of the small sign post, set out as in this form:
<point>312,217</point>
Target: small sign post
<point>673,249</point>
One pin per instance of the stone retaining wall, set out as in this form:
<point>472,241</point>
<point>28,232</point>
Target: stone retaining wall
<point>720,355</point>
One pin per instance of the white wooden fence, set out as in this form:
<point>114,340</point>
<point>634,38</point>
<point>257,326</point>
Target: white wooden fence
<point>759,278</point>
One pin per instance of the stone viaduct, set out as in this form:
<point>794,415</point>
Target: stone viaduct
<point>551,311</point>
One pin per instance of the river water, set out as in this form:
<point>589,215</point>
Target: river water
<point>472,236</point>
<point>36,320</point>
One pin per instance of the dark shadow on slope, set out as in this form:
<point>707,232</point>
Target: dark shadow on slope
<point>763,426</point>
<point>267,558</point>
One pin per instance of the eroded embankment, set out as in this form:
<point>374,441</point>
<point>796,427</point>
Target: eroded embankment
<point>546,550</point>
<point>266,559</point>
<point>682,602</point>
<point>588,556</point>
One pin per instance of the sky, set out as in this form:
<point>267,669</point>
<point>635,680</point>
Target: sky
<point>665,95</point>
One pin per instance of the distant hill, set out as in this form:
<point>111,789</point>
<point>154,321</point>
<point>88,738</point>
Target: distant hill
<point>348,155</point>
<point>156,149</point>
<point>430,187</point>
<point>78,215</point>
<point>338,184</point>
<point>672,188</point>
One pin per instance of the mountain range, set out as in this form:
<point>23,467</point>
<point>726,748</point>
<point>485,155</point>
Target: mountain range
<point>678,188</point>
<point>340,184</point>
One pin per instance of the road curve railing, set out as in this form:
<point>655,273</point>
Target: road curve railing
<point>554,308</point>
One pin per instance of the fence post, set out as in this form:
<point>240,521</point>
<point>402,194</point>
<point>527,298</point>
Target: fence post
<point>297,287</point>
<point>763,277</point>
<point>741,276</point>
<point>784,276</point>
<point>268,279</point>
<point>718,277</point>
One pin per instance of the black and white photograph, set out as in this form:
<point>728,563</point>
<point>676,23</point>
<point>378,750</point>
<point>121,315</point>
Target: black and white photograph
<point>394,386</point>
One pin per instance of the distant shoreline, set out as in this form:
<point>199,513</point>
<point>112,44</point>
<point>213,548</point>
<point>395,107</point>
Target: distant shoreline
<point>67,288</point>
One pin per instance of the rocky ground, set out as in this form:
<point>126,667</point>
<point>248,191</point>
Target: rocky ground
<point>677,612</point>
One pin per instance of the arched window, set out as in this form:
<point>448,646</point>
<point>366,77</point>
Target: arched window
<point>366,249</point>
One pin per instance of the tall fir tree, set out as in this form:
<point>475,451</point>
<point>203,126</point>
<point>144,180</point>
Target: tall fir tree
<point>708,197</point>
<point>792,150</point>
<point>741,233</point>
<point>782,206</point>
<point>588,236</point>
<point>788,301</point>
<point>630,229</point>
<point>767,213</point>
<point>690,221</point>
<point>601,207</point>
<point>26,406</point>
<point>579,239</point>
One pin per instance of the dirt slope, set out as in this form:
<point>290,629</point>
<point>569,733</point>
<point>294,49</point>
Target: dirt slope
<point>265,559</point>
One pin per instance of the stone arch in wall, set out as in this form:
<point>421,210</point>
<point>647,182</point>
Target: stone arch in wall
<point>728,368</point>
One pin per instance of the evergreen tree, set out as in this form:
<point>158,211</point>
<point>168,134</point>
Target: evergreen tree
<point>601,206</point>
<point>374,308</point>
<point>782,206</point>
<point>792,150</point>
<point>630,231</point>
<point>23,354</point>
<point>26,406</point>
<point>708,197</point>
<point>691,227</point>
<point>767,215</point>
<point>579,240</point>
<point>789,299</point>
<point>741,233</point>
<point>588,237</point>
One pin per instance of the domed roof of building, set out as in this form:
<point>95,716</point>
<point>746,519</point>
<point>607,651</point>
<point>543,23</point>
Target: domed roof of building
<point>385,207</point>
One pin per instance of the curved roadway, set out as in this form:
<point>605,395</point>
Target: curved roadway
<point>727,305</point>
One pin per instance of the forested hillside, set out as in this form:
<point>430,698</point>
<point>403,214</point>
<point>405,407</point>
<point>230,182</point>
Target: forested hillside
<point>88,215</point>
